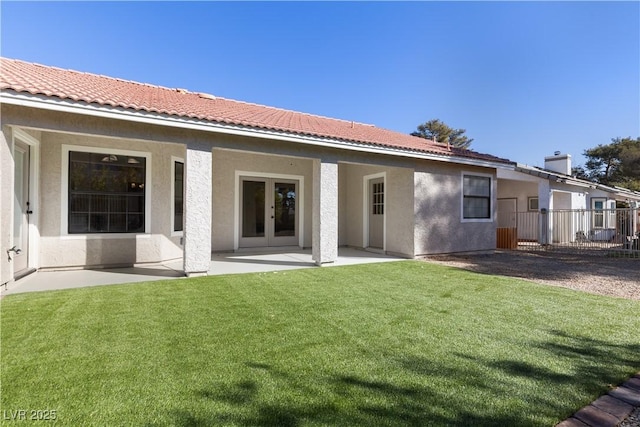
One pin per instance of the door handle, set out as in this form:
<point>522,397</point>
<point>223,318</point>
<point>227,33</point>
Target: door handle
<point>29,212</point>
<point>272,217</point>
<point>15,251</point>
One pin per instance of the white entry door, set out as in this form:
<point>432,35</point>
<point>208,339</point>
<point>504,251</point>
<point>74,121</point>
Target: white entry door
<point>268,212</point>
<point>376,213</point>
<point>21,210</point>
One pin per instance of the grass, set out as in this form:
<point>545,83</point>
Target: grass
<point>402,343</point>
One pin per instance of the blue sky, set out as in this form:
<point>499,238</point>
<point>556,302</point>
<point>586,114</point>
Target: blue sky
<point>523,78</point>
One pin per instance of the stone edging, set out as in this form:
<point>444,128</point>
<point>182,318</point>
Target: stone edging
<point>610,409</point>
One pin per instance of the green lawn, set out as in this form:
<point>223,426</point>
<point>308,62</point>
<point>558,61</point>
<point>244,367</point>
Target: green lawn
<point>402,343</point>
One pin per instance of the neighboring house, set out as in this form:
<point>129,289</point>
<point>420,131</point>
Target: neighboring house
<point>582,210</point>
<point>97,171</point>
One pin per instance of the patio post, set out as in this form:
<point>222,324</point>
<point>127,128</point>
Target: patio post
<point>545,203</point>
<point>324,245</point>
<point>197,210</point>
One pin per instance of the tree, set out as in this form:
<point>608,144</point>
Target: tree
<point>435,129</point>
<point>617,163</point>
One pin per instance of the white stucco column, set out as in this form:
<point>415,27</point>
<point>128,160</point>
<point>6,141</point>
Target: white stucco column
<point>544,195</point>
<point>197,210</point>
<point>324,246</point>
<point>545,203</point>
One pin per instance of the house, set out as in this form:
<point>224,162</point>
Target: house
<point>98,171</point>
<point>579,209</point>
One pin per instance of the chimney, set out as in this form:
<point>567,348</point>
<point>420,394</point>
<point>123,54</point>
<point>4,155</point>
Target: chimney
<point>560,163</point>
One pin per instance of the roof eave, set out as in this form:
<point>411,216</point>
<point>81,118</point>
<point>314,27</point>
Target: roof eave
<point>69,106</point>
<point>618,191</point>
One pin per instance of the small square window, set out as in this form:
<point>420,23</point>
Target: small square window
<point>476,197</point>
<point>533,204</point>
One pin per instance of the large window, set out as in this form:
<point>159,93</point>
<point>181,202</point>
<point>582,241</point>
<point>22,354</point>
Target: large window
<point>476,197</point>
<point>106,193</point>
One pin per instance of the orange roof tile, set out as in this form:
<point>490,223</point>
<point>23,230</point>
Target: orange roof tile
<point>35,79</point>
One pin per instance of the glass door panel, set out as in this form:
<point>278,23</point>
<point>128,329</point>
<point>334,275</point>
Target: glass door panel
<point>253,209</point>
<point>18,200</point>
<point>285,209</point>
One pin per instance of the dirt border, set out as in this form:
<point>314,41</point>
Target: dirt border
<point>619,277</point>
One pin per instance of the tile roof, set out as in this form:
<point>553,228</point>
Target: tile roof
<point>35,79</point>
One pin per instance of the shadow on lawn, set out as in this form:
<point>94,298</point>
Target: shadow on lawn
<point>367,400</point>
<point>591,351</point>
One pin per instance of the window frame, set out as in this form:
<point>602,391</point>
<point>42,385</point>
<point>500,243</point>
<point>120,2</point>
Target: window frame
<point>64,189</point>
<point>174,160</point>
<point>537,201</point>
<point>490,197</point>
<point>377,204</point>
<point>607,213</point>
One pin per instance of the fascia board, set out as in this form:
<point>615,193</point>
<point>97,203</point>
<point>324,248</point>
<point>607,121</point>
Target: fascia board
<point>553,177</point>
<point>518,175</point>
<point>118,113</point>
<point>578,183</point>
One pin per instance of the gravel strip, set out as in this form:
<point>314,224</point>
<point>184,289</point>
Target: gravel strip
<point>633,420</point>
<point>619,277</point>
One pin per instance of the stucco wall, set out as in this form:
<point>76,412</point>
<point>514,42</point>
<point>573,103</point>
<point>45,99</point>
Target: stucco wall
<point>354,199</point>
<point>399,203</point>
<point>225,165</point>
<point>438,218</point>
<point>103,249</point>
<point>521,191</point>
<point>399,207</point>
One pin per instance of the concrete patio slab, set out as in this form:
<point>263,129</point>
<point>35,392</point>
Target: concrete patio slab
<point>224,263</point>
<point>259,262</point>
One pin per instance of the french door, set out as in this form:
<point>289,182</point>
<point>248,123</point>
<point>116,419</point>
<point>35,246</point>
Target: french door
<point>268,212</point>
<point>21,210</point>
